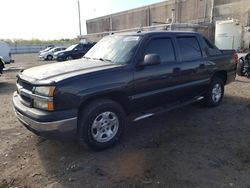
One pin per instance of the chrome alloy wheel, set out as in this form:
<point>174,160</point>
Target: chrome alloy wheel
<point>105,126</point>
<point>216,93</point>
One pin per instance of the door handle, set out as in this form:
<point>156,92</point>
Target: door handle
<point>176,70</point>
<point>202,65</point>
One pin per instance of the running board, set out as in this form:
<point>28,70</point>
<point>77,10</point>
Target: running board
<point>165,109</point>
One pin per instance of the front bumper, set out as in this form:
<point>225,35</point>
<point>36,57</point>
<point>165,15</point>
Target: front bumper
<point>51,125</point>
<point>60,58</point>
<point>41,57</point>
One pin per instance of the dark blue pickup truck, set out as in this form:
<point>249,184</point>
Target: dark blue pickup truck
<point>124,76</point>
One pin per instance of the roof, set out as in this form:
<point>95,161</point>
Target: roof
<point>144,33</point>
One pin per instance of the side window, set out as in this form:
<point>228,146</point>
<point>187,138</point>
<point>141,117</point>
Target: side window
<point>189,48</point>
<point>79,47</point>
<point>208,44</point>
<point>211,49</point>
<point>163,47</point>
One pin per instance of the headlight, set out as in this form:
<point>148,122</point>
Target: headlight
<point>44,91</point>
<point>60,54</point>
<point>44,97</point>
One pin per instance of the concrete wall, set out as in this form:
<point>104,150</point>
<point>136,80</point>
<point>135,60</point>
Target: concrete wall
<point>194,11</point>
<point>186,11</point>
<point>23,49</point>
<point>236,9</point>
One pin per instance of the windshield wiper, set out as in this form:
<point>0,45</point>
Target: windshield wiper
<point>86,57</point>
<point>102,59</point>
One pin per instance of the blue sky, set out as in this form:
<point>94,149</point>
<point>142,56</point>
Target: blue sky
<point>55,19</point>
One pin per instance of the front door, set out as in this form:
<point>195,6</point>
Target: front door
<point>151,83</point>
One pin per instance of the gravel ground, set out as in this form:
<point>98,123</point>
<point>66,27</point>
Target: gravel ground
<point>191,147</point>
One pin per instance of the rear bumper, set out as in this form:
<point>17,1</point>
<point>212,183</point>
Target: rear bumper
<point>231,75</point>
<point>51,125</point>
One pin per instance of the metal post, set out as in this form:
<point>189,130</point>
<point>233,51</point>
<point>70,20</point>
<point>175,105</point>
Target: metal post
<point>79,14</point>
<point>205,11</point>
<point>212,12</point>
<point>173,19</point>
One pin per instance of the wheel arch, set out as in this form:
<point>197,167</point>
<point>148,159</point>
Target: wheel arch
<point>49,55</point>
<point>222,74</point>
<point>117,96</point>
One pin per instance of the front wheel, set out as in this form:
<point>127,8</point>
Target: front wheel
<point>214,93</point>
<point>101,124</point>
<point>50,57</point>
<point>69,58</point>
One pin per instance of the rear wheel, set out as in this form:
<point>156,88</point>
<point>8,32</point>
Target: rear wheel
<point>215,92</point>
<point>101,124</point>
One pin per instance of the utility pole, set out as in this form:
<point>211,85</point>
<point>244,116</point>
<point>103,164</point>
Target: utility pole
<point>79,14</point>
<point>212,12</point>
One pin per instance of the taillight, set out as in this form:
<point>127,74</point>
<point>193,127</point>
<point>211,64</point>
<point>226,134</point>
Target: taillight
<point>236,58</point>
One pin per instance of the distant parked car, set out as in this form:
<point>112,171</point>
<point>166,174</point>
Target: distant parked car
<point>243,66</point>
<point>75,51</point>
<point>5,52</point>
<point>48,55</point>
<point>46,49</point>
<point>1,65</point>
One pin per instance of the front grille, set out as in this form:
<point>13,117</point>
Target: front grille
<point>26,100</point>
<point>25,84</point>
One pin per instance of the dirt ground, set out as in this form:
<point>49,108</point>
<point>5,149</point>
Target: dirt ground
<point>194,146</point>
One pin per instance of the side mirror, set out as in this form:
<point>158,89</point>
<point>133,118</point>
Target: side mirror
<point>151,59</point>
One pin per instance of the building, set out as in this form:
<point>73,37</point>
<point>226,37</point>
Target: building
<point>202,13</point>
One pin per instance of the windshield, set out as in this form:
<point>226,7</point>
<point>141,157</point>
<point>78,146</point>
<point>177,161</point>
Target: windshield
<point>116,49</point>
<point>46,49</point>
<point>71,47</point>
<point>52,50</point>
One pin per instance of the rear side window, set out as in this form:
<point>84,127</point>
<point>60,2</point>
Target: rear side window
<point>211,50</point>
<point>79,47</point>
<point>162,47</point>
<point>208,44</point>
<point>189,48</point>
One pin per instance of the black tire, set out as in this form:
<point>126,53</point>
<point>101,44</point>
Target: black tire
<point>240,68</point>
<point>209,98</point>
<point>49,57</point>
<point>89,115</point>
<point>68,58</point>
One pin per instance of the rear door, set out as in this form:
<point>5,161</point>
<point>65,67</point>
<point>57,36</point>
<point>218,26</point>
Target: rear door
<point>191,74</point>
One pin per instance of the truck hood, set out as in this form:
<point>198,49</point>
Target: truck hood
<point>62,70</point>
